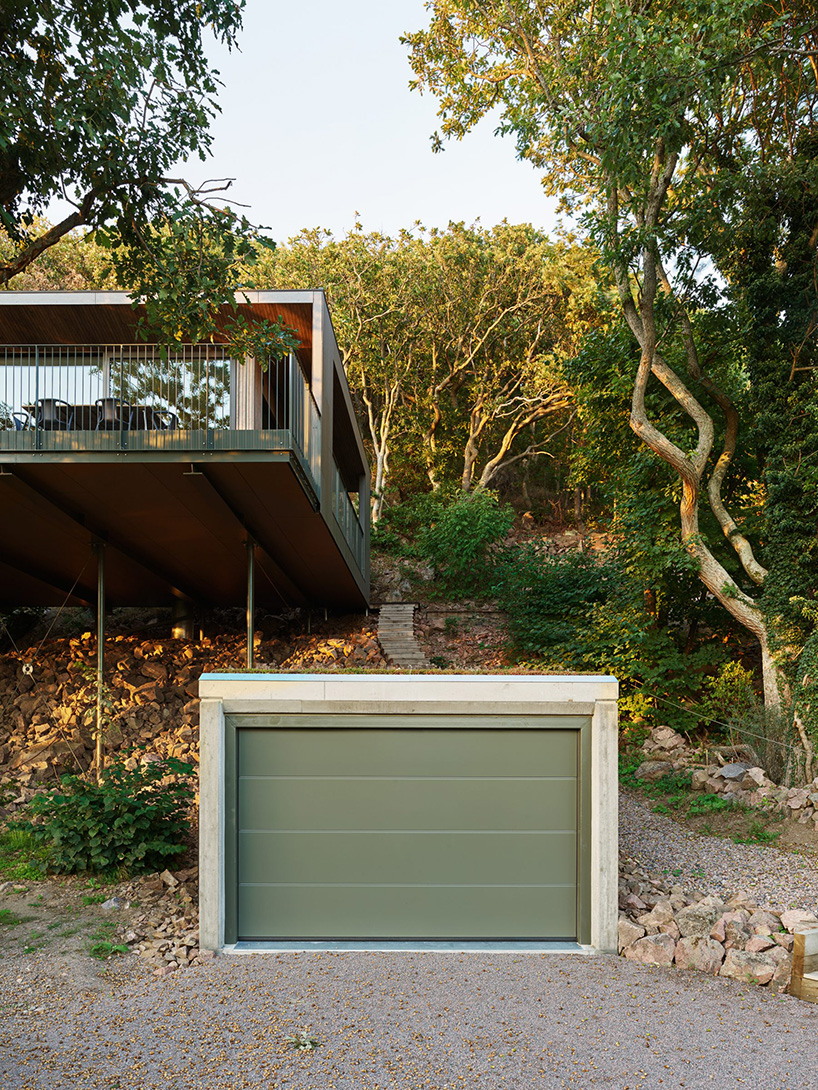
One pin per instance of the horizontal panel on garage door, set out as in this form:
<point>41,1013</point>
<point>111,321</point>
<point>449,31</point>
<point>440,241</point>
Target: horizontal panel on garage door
<point>408,912</point>
<point>508,750</point>
<point>383,833</point>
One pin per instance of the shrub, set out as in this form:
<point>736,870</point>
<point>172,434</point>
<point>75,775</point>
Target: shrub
<point>134,819</point>
<point>578,612</point>
<point>459,540</point>
<point>453,530</point>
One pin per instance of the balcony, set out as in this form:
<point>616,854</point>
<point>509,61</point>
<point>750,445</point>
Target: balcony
<point>128,397</point>
<point>176,460</point>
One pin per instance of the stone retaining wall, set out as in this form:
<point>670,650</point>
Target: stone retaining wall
<point>660,924</point>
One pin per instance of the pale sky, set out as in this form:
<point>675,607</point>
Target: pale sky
<point>318,123</point>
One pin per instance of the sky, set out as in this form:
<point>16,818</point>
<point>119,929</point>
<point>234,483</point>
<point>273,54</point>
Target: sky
<point>318,124</point>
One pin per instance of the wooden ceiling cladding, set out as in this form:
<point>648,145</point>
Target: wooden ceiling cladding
<point>103,323</point>
<point>168,532</point>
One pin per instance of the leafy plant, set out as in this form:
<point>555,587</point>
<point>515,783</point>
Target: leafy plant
<point>8,918</point>
<point>303,1040</point>
<point>758,833</point>
<point>708,804</point>
<point>454,531</point>
<point>22,858</point>
<point>104,949</point>
<point>133,819</point>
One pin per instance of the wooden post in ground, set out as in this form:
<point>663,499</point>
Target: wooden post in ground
<point>804,980</point>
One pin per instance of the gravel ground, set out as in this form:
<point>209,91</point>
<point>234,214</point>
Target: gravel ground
<point>414,1021</point>
<point>773,878</point>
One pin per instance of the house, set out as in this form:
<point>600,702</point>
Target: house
<point>196,476</point>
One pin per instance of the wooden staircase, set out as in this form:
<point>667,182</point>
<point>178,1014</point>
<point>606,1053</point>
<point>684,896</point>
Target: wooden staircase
<point>396,633</point>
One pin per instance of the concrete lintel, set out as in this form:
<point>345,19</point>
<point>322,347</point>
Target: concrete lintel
<point>412,689</point>
<point>395,707</point>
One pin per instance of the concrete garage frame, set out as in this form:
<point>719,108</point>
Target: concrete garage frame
<point>232,702</point>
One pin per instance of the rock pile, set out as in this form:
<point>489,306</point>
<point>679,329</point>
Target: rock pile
<point>667,751</point>
<point>165,932</point>
<point>661,924</point>
<point>48,702</point>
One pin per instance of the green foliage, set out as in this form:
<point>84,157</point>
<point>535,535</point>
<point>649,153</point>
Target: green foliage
<point>133,819</point>
<point>708,804</point>
<point>103,99</point>
<point>9,918</point>
<point>261,340</point>
<point>459,540</point>
<point>758,833</point>
<point>22,858</point>
<point>583,613</point>
<point>103,949</point>
<point>302,1040</point>
<point>730,695</point>
<point>452,341</point>
<point>455,531</point>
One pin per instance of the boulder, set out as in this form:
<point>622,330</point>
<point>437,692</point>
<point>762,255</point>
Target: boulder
<point>704,955</point>
<point>748,967</point>
<point>665,738</point>
<point>696,921</point>
<point>661,913</point>
<point>757,944</point>
<point>653,950</point>
<point>650,771</point>
<point>753,778</point>
<point>698,781</point>
<point>763,923</point>
<point>794,919</point>
<point>733,772</point>
<point>627,933</point>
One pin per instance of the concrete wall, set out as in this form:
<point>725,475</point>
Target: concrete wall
<point>385,694</point>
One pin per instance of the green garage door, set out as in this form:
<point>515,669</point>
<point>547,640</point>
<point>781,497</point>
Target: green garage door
<point>425,832</point>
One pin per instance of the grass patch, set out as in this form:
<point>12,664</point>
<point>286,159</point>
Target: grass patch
<point>103,949</point>
<point>93,898</point>
<point>709,804</point>
<point>22,859</point>
<point>758,833</point>
<point>35,942</point>
<point>8,918</point>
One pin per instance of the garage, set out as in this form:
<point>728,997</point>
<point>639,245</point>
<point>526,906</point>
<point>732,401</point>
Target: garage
<point>391,808</point>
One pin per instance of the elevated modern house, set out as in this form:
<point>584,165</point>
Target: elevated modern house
<point>195,475</point>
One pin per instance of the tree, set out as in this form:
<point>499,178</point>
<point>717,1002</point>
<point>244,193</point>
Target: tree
<point>101,100</point>
<point>377,298</point>
<point>642,116</point>
<point>497,301</point>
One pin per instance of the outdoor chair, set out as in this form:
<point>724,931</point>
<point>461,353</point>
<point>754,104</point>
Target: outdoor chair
<point>22,420</point>
<point>54,414</point>
<point>151,419</point>
<point>112,414</point>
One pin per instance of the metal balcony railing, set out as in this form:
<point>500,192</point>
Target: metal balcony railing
<point>348,519</point>
<point>132,397</point>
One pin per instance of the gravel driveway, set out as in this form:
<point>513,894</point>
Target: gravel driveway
<point>411,1022</point>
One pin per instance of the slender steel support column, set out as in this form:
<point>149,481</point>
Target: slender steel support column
<point>99,549</point>
<point>251,599</point>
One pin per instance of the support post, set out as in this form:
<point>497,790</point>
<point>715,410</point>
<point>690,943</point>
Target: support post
<point>99,549</point>
<point>183,619</point>
<point>251,599</point>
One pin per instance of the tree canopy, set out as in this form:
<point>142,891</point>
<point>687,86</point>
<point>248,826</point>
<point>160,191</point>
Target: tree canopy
<point>651,121</point>
<point>102,102</point>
